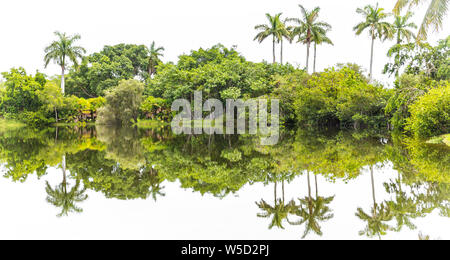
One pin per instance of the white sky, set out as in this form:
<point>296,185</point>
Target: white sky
<point>26,28</point>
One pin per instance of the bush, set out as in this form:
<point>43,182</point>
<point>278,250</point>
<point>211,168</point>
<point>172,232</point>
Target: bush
<point>341,97</point>
<point>430,115</point>
<point>122,103</point>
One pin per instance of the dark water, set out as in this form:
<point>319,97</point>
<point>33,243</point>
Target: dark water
<point>108,183</point>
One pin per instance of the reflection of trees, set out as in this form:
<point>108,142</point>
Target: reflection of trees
<point>62,197</point>
<point>313,211</point>
<point>403,207</point>
<point>280,211</point>
<point>379,214</point>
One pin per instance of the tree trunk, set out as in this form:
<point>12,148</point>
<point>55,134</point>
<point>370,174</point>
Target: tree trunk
<point>317,189</point>
<point>275,193</point>
<point>371,59</point>
<point>373,188</point>
<point>273,50</point>
<point>56,115</point>
<point>315,57</point>
<point>308,45</point>
<point>63,81</point>
<point>281,52</point>
<point>309,186</point>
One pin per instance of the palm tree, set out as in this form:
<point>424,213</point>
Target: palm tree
<point>154,54</point>
<point>62,198</point>
<point>436,12</point>
<point>319,37</point>
<point>286,33</point>
<point>62,51</point>
<point>401,28</point>
<point>307,27</point>
<point>313,211</point>
<point>275,28</point>
<point>380,213</point>
<point>374,17</point>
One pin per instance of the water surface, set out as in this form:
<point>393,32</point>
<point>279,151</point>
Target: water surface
<point>111,183</point>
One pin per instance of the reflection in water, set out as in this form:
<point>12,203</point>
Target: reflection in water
<point>130,164</point>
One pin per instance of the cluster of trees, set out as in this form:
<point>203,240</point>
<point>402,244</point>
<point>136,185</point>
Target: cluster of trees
<point>130,81</point>
<point>37,100</point>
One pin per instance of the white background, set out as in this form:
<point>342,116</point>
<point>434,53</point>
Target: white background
<point>26,28</point>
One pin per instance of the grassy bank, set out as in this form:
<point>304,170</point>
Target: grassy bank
<point>6,125</point>
<point>443,139</point>
<point>148,124</point>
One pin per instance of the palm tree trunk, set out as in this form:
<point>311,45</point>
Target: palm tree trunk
<point>281,52</point>
<point>307,56</point>
<point>317,189</point>
<point>273,50</point>
<point>282,189</point>
<point>56,115</point>
<point>309,186</point>
<point>63,83</point>
<point>373,187</point>
<point>315,57</point>
<point>275,193</point>
<point>371,59</point>
<point>63,164</point>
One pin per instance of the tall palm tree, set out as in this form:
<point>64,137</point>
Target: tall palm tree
<point>307,27</point>
<point>401,28</point>
<point>380,213</point>
<point>435,15</point>
<point>286,33</point>
<point>378,28</point>
<point>319,37</point>
<point>154,58</point>
<point>62,198</point>
<point>62,51</point>
<point>275,28</point>
<point>313,211</point>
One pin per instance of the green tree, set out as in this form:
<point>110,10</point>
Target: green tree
<point>435,15</point>
<point>430,114</point>
<point>275,28</point>
<point>122,103</point>
<point>154,58</point>
<point>308,28</point>
<point>51,96</point>
<point>62,52</point>
<point>104,70</point>
<point>378,28</point>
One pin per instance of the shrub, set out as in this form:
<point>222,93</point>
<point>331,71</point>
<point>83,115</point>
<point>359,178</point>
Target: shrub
<point>430,114</point>
<point>122,103</point>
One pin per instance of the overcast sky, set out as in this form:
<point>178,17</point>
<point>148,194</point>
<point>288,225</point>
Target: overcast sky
<point>26,28</point>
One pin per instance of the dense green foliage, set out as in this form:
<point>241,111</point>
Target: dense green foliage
<point>104,70</point>
<point>122,103</point>
<point>336,97</point>
<point>219,72</point>
<point>430,114</point>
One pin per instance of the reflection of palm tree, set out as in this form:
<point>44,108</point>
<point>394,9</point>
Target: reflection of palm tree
<point>155,188</point>
<point>403,208</point>
<point>62,198</point>
<point>280,210</point>
<point>380,214</point>
<point>313,211</point>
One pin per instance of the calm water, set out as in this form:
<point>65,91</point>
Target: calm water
<point>107,183</point>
